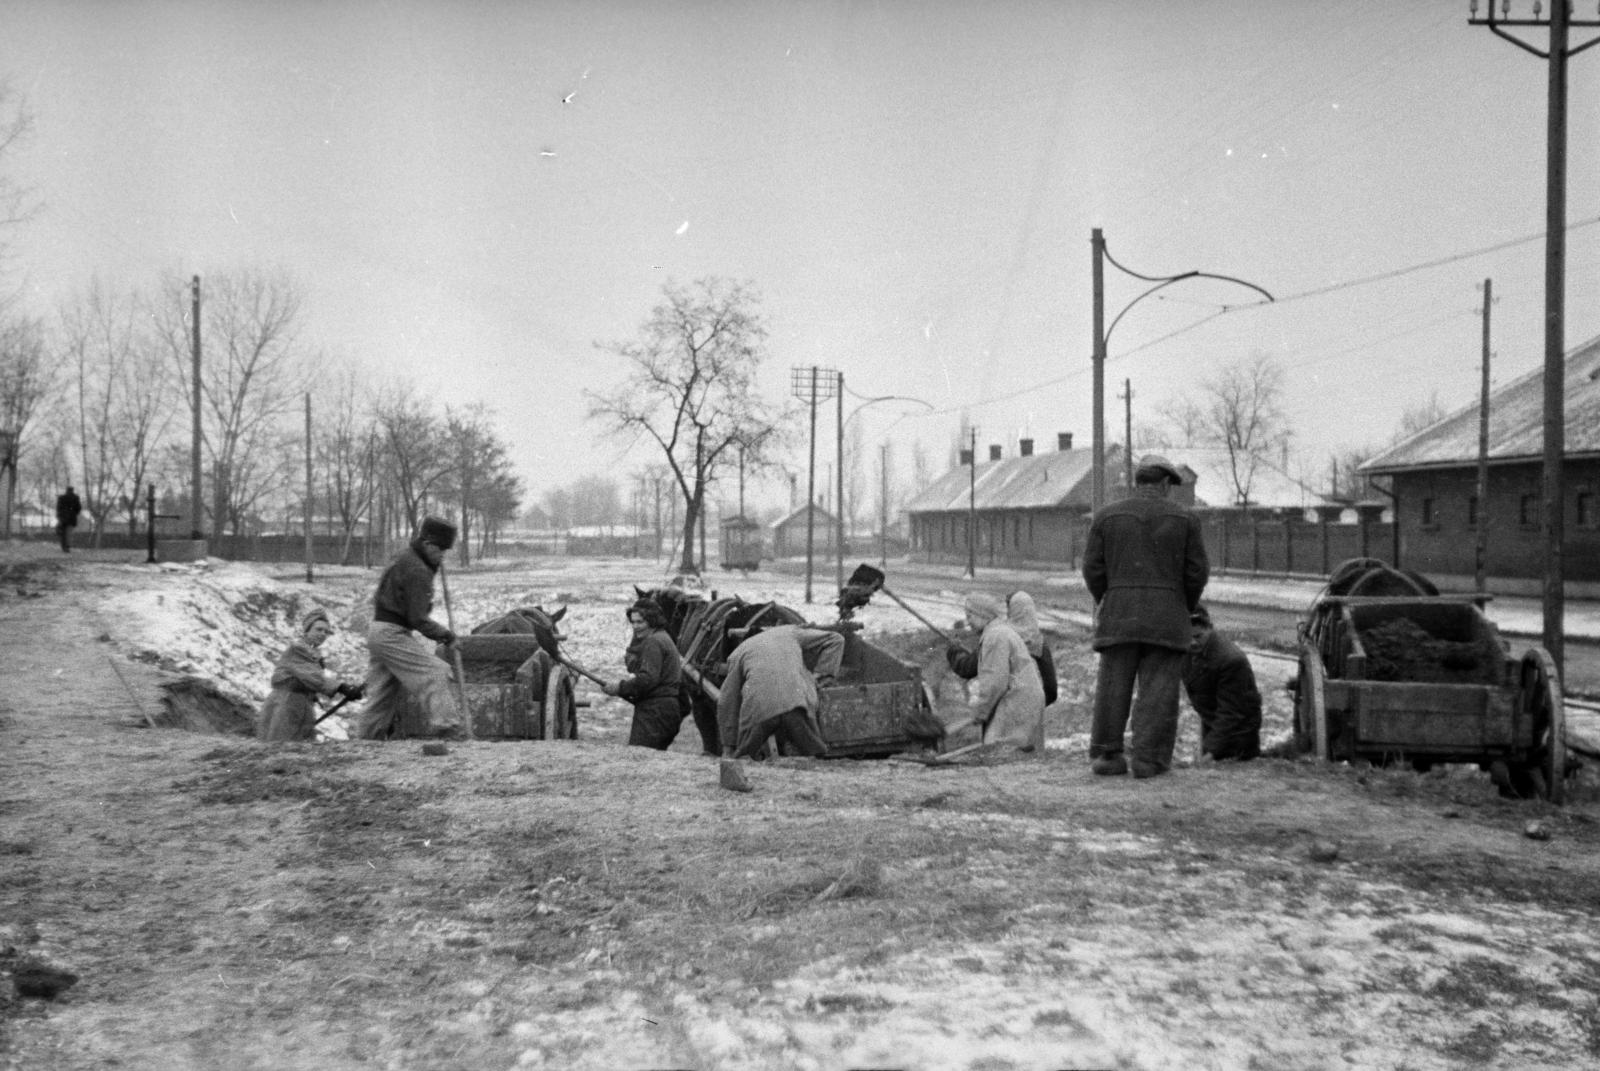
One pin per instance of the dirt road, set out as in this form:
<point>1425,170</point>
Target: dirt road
<point>586,905</point>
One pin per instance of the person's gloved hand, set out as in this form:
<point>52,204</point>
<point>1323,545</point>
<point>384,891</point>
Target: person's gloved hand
<point>953,655</point>
<point>449,639</point>
<point>351,691</point>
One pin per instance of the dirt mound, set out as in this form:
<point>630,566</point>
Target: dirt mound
<point>198,705</point>
<point>1402,650</point>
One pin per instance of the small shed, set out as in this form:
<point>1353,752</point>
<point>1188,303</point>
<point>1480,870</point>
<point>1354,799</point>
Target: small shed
<point>789,534</point>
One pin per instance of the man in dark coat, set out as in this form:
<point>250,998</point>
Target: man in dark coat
<point>68,506</point>
<point>653,686</point>
<point>398,664</point>
<point>1222,688</point>
<point>1146,567</point>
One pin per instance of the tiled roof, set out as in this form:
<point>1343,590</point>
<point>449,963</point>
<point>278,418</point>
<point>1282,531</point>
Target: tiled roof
<point>1516,422</point>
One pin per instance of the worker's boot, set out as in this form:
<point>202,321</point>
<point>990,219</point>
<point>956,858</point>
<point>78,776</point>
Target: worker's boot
<point>733,778</point>
<point>1109,765</point>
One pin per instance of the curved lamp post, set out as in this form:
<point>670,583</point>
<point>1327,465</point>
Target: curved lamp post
<point>1102,336</point>
<point>839,459</point>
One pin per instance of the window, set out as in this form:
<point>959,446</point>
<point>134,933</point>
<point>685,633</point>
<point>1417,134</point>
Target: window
<point>1472,511</point>
<point>1528,511</point>
<point>1428,518</point>
<point>1585,503</point>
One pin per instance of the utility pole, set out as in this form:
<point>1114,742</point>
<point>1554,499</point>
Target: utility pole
<point>1480,571</point>
<point>309,551</point>
<point>883,505</point>
<point>972,508</point>
<point>1555,253</point>
<point>838,544</point>
<point>1127,434</point>
<point>811,385</point>
<point>196,516</point>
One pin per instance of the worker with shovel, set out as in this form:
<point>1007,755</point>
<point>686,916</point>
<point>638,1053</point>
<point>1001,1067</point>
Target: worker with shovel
<point>653,684</point>
<point>299,677</point>
<point>398,664</point>
<point>1009,705</point>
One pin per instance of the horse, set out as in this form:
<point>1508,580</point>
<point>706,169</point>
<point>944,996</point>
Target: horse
<point>525,620</point>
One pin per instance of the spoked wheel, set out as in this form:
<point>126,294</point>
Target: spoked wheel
<point>1539,703</point>
<point>1311,706</point>
<point>560,709</point>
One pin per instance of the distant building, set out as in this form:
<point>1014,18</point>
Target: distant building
<point>789,534</point>
<point>1435,481</point>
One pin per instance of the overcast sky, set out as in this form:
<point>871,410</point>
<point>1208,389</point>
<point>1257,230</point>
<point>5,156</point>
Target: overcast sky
<point>472,194</point>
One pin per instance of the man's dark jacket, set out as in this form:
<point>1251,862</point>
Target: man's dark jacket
<point>405,594</point>
<point>1222,688</point>
<point>1146,567</point>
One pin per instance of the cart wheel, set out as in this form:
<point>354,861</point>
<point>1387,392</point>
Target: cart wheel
<point>1541,704</point>
<point>560,712</point>
<point>1311,707</point>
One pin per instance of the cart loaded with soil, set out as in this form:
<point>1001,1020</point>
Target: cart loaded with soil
<point>1393,671</point>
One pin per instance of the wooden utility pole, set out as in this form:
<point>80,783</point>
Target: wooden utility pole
<point>309,499</point>
<point>1097,242</point>
<point>838,525</point>
<point>1480,572</point>
<point>1127,434</point>
<point>196,513</point>
<point>883,505</point>
<point>972,508</point>
<point>1553,488</point>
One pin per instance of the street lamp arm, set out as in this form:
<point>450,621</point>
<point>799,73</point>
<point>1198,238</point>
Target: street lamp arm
<point>1179,279</point>
<point>886,398</point>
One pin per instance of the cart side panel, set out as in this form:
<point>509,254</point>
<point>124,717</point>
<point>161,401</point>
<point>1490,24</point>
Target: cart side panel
<point>1431,717</point>
<point>868,718</point>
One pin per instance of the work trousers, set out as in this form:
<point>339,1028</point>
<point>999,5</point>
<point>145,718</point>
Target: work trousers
<point>796,732</point>
<point>399,664</point>
<point>1141,680</point>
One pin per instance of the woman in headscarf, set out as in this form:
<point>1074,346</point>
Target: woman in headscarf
<point>1009,703</point>
<point>290,712</point>
<point>655,669</point>
<point>1024,617</point>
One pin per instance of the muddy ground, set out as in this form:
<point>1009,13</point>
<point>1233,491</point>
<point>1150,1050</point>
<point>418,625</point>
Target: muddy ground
<point>227,904</point>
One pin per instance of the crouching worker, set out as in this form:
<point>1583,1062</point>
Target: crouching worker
<point>1222,688</point>
<point>656,668</point>
<point>290,712</point>
<point>771,690</point>
<point>398,664</point>
<point>1010,700</point>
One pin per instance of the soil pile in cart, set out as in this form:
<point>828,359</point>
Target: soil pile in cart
<point>1402,650</point>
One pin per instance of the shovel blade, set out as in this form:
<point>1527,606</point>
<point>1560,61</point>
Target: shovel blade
<point>867,576</point>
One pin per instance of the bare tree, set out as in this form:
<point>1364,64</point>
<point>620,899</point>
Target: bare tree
<point>691,389</point>
<point>416,454</point>
<point>27,376</point>
<point>346,445</point>
<point>480,476</point>
<point>254,373</point>
<point>16,202</point>
<point>1186,424</point>
<point>123,401</point>
<point>1243,414</point>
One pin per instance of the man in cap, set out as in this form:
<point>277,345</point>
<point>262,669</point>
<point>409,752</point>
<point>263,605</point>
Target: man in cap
<point>398,664</point>
<point>1146,567</point>
<point>1222,689</point>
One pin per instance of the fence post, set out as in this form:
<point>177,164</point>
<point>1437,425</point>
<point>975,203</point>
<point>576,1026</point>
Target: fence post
<point>1326,565</point>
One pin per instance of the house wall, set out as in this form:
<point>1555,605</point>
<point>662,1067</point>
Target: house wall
<point>789,538</point>
<point>1438,537</point>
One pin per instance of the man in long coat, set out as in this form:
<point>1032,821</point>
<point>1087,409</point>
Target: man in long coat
<point>68,508</point>
<point>1146,568</point>
<point>1222,689</point>
<point>771,690</point>
<point>398,664</point>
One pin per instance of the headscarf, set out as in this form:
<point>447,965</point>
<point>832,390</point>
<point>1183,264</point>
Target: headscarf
<point>1024,617</point>
<point>319,614</point>
<point>982,605</point>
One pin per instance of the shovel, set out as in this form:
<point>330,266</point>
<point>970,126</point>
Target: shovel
<point>570,664</point>
<point>871,579</point>
<point>330,712</point>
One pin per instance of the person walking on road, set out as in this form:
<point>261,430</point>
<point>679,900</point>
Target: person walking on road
<point>68,507</point>
<point>398,664</point>
<point>301,674</point>
<point>1146,567</point>
<point>654,683</point>
<point>771,690</point>
<point>1222,689</point>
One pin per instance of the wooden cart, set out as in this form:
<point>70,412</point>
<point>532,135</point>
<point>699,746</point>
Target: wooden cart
<point>1426,679</point>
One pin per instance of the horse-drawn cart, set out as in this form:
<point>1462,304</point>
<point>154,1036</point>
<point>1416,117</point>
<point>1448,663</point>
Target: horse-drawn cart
<point>1391,670</point>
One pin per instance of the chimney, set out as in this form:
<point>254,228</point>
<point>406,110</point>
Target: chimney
<point>966,457</point>
<point>1064,440</point>
<point>1025,447</point>
<point>994,451</point>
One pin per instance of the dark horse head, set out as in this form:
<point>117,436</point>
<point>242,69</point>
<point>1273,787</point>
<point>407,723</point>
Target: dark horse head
<point>526,620</point>
<point>676,605</point>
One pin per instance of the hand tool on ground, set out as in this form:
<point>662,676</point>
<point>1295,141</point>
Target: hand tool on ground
<point>868,579</point>
<point>455,654</point>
